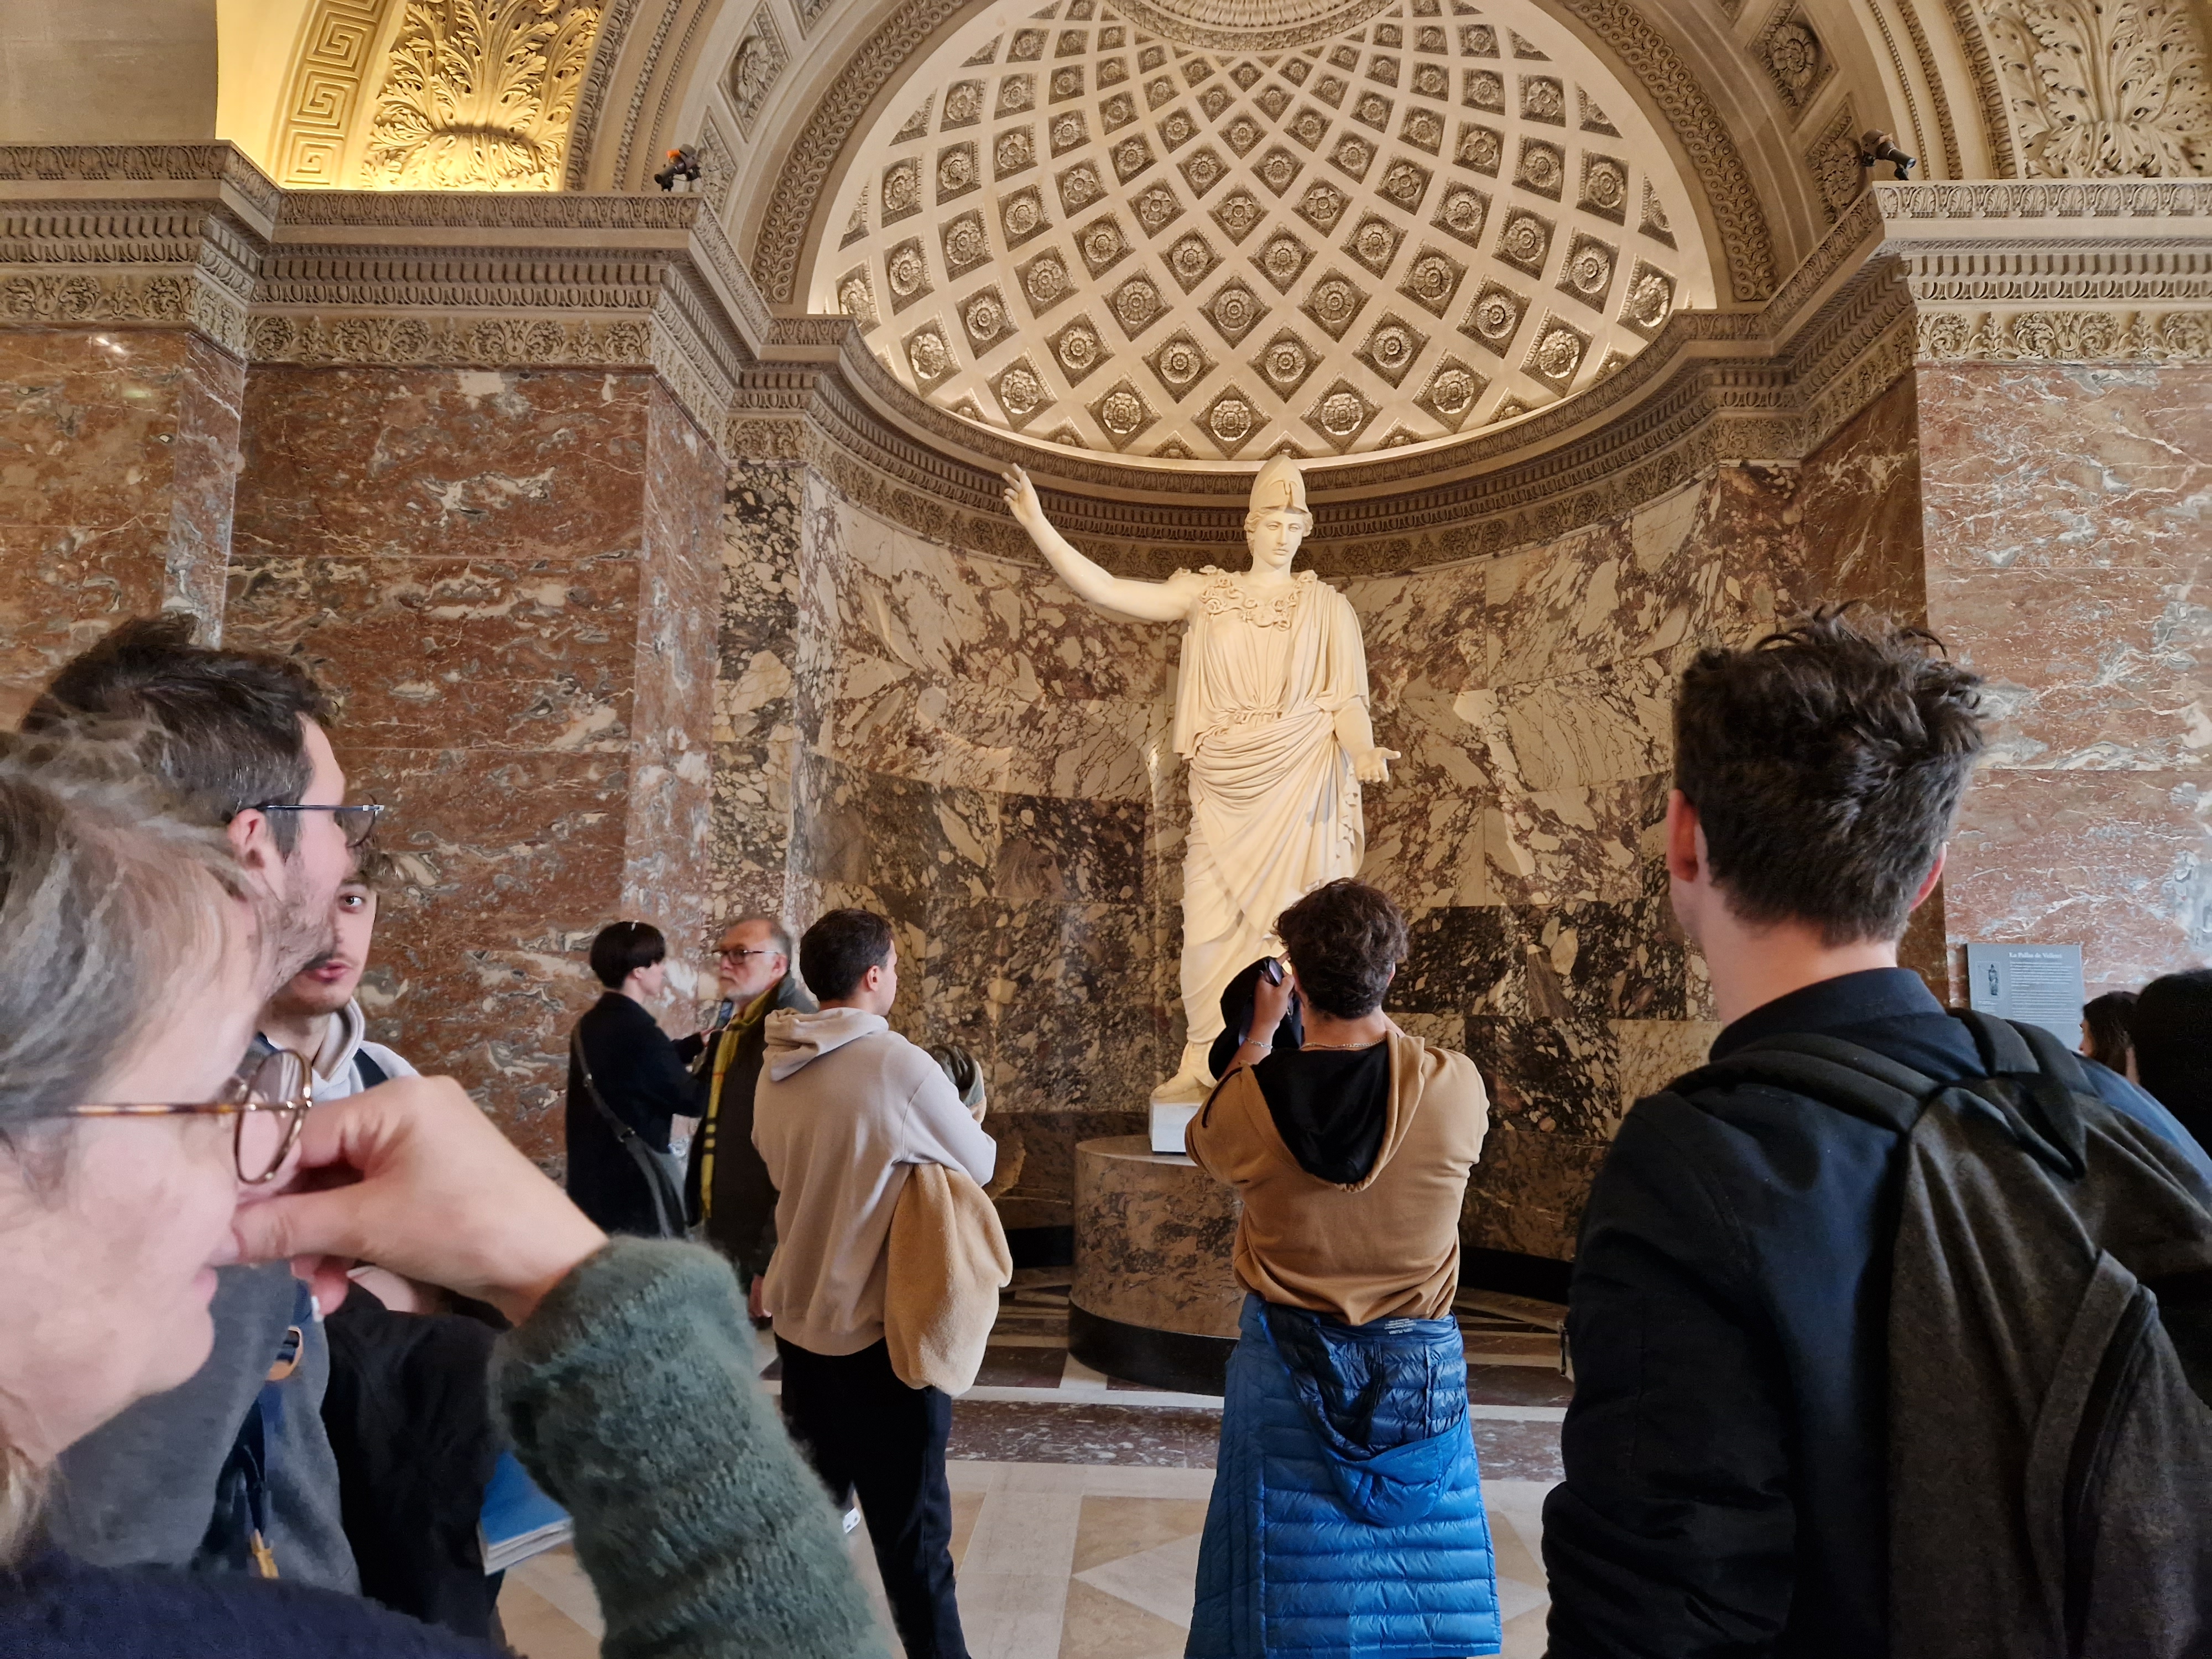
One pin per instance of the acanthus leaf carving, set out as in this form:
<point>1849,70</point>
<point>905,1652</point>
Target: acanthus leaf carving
<point>2102,336</point>
<point>2105,88</point>
<point>479,94</point>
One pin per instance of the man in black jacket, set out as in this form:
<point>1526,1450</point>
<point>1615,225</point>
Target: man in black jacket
<point>728,1185</point>
<point>1726,1490</point>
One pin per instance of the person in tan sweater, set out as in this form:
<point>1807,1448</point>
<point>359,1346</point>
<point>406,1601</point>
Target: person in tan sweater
<point>1351,1153</point>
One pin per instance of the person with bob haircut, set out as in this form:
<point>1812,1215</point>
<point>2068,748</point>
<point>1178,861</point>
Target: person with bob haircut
<point>2107,1037</point>
<point>1730,1450</point>
<point>2172,1030</point>
<point>627,1086</point>
<point>130,1170</point>
<point>1346,1516</point>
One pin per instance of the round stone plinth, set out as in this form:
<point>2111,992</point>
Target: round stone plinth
<point>1155,1299</point>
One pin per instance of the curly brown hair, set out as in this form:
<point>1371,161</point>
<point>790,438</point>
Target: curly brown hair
<point>1346,939</point>
<point>1827,764</point>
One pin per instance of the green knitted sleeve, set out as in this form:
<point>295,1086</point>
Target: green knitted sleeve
<point>633,1398</point>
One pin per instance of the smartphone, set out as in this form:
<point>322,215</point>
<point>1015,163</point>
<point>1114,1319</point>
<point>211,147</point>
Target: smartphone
<point>1272,969</point>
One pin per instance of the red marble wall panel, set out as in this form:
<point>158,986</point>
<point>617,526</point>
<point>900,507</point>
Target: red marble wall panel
<point>499,574</point>
<point>118,454</point>
<point>2068,554</point>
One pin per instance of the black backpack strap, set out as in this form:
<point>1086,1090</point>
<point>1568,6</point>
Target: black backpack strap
<point>367,1070</point>
<point>2016,1050</point>
<point>2048,1075</point>
<point>1836,1073</point>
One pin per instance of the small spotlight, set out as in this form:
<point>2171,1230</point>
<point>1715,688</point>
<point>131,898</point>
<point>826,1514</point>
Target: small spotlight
<point>1880,147</point>
<point>682,173</point>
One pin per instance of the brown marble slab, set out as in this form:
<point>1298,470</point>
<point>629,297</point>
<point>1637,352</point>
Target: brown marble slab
<point>1152,1240</point>
<point>2067,557</point>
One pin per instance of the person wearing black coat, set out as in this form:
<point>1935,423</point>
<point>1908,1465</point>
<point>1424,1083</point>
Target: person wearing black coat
<point>640,1077</point>
<point>726,1186</point>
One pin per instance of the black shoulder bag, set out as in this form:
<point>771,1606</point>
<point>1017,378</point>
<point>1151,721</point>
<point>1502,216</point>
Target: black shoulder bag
<point>662,1184</point>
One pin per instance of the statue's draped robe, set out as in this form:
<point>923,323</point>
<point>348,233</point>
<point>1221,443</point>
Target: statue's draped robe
<point>1274,804</point>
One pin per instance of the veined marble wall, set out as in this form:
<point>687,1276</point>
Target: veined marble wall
<point>952,740</point>
<point>507,577</point>
<point>118,460</point>
<point>2069,561</point>
<point>1532,695</point>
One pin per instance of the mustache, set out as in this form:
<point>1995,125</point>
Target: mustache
<point>295,939</point>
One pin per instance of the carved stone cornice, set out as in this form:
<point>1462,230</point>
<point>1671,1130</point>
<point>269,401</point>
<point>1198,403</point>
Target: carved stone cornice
<point>133,236</point>
<point>2104,271</point>
<point>2047,200</point>
<point>189,237</point>
<point>378,278</point>
<point>30,171</point>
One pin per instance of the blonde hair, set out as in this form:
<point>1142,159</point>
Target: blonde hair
<point>110,896</point>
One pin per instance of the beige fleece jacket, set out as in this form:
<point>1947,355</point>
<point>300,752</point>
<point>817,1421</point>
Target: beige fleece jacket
<point>844,1109</point>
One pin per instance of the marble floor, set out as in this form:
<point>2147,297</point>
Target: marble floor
<point>1078,1499</point>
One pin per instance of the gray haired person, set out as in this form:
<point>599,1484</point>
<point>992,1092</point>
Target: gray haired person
<point>189,1477</point>
<point>756,971</point>
<point>129,1169</point>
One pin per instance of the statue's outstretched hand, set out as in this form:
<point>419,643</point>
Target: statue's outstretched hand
<point>1374,765</point>
<point>1022,501</point>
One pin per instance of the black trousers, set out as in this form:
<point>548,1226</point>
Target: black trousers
<point>867,1432</point>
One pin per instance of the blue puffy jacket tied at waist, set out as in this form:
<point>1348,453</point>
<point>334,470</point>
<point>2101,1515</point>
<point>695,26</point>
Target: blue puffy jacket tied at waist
<point>1346,1521</point>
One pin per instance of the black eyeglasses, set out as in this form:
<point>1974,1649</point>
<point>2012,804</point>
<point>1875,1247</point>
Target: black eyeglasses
<point>356,824</point>
<point>269,1097</point>
<point>740,956</point>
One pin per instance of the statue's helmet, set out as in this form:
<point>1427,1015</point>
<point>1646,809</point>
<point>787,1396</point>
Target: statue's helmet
<point>1280,488</point>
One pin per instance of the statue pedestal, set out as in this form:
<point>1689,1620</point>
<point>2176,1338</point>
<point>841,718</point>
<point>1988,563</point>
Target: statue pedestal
<point>1169,1121</point>
<point>1155,1300</point>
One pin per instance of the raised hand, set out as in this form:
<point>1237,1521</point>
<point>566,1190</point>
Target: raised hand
<point>412,1176</point>
<point>1021,498</point>
<point>1269,1004</point>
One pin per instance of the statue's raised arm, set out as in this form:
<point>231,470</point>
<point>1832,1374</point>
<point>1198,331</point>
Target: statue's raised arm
<point>1129,600</point>
<point>1271,720</point>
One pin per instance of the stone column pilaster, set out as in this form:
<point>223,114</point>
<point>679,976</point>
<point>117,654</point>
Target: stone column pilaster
<point>2062,383</point>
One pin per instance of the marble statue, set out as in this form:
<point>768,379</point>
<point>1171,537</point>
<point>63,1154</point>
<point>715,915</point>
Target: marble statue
<point>1271,715</point>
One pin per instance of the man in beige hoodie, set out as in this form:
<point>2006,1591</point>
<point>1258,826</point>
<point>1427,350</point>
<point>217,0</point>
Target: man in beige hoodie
<point>846,1107</point>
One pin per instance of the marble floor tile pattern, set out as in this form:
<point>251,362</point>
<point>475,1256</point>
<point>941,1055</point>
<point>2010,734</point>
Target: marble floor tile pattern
<point>1078,1499</point>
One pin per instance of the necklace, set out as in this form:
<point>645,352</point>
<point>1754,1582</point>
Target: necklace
<point>1303,1046</point>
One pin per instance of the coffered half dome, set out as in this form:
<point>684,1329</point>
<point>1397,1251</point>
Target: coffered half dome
<point>1087,225</point>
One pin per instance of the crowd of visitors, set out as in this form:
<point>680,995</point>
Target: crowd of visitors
<point>1889,1325</point>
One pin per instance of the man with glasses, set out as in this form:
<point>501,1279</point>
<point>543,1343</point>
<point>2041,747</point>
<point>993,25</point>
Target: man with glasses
<point>232,1470</point>
<point>728,1185</point>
